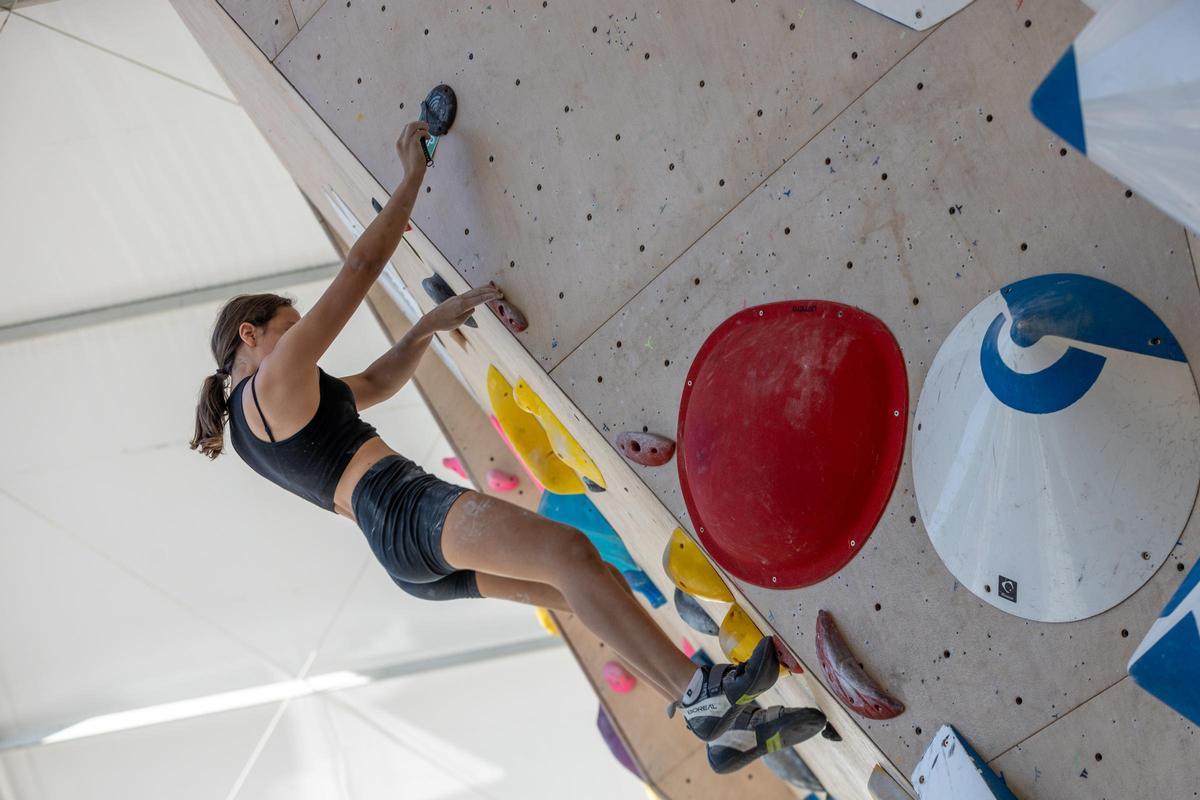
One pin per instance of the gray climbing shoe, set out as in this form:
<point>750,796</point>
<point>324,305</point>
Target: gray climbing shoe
<point>717,693</point>
<point>757,731</point>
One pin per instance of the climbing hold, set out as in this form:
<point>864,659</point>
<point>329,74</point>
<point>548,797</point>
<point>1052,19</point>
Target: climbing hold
<point>616,746</point>
<point>690,570</point>
<point>818,446</point>
<point>438,109</point>
<point>578,511</point>
<point>439,291</point>
<point>846,677</point>
<point>528,439</point>
<point>1136,121</point>
<point>455,465</point>
<point>507,443</point>
<point>509,314</point>
<point>565,446</point>
<point>697,656</point>
<point>500,481</point>
<point>1068,364</point>
<point>547,621</point>
<point>738,635</point>
<point>882,786</point>
<point>918,16</point>
<point>691,612</point>
<point>787,659</point>
<point>789,767</point>
<point>647,449</point>
<point>950,769</point>
<point>1164,664</point>
<point>640,582</point>
<point>619,679</point>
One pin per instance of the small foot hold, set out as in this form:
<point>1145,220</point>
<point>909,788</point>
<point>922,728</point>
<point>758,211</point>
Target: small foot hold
<point>439,291</point>
<point>691,612</point>
<point>787,658</point>
<point>454,465</point>
<point>509,314</point>
<point>619,679</point>
<point>647,449</point>
<point>847,679</point>
<point>829,732</point>
<point>500,481</point>
<point>591,485</point>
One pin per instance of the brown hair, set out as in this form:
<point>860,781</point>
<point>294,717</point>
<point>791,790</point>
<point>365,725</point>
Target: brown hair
<point>258,310</point>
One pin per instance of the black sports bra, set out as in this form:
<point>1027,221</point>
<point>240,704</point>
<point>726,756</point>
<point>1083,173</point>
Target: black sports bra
<point>310,462</point>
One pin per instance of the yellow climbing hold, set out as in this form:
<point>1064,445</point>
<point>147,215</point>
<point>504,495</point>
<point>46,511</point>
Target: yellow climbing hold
<point>564,444</point>
<point>738,635</point>
<point>528,439</point>
<point>690,570</point>
<point>547,621</point>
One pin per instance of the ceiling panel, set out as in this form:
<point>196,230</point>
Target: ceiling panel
<point>120,184</point>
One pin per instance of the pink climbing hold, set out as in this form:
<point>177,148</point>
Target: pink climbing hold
<point>847,679</point>
<point>509,315</point>
<point>688,648</point>
<point>618,678</point>
<point>647,449</point>
<point>500,481</point>
<point>455,465</point>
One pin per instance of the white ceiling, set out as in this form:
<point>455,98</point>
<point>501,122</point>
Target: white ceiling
<point>134,572</point>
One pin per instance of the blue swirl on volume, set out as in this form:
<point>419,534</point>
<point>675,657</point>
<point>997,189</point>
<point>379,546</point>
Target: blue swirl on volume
<point>1074,307</point>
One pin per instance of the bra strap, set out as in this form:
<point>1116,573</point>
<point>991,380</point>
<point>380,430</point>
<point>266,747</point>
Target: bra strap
<point>254,392</point>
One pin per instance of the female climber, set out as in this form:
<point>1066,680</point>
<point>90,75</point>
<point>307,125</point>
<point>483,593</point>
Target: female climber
<point>299,427</point>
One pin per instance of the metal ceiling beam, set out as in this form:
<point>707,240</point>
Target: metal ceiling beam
<point>167,302</point>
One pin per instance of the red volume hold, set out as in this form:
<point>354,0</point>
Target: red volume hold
<point>509,315</point>
<point>846,677</point>
<point>647,449</point>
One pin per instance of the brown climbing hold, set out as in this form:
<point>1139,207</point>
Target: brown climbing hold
<point>647,449</point>
<point>846,677</point>
<point>509,315</point>
<point>787,658</point>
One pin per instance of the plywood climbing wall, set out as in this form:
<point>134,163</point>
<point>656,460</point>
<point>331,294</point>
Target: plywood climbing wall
<point>633,175</point>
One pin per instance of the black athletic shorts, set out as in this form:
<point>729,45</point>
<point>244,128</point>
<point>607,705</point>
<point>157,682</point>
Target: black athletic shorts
<point>401,509</point>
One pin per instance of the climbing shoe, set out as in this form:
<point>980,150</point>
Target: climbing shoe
<point>756,731</point>
<point>717,693</point>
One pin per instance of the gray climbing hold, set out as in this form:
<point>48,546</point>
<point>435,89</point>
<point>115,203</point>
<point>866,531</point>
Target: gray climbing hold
<point>439,291</point>
<point>790,768</point>
<point>691,612</point>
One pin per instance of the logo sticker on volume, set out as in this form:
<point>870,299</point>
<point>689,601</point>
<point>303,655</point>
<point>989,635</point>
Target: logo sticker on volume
<point>1008,589</point>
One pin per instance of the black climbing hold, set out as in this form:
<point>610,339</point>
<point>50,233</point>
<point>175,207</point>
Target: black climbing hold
<point>439,291</point>
<point>590,484</point>
<point>375,205</point>
<point>831,733</point>
<point>438,109</point>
